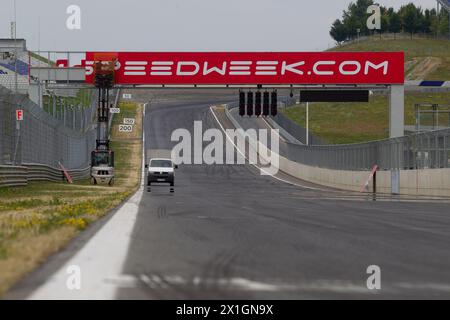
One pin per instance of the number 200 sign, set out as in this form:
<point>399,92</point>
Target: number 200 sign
<point>125,128</point>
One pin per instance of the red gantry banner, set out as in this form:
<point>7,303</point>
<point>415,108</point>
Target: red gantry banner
<point>265,68</point>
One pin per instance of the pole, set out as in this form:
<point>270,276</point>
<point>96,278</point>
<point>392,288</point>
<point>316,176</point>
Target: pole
<point>375,185</point>
<point>54,105</point>
<point>39,35</point>
<point>63,104</point>
<point>74,118</point>
<point>15,49</point>
<point>438,18</point>
<point>17,142</point>
<point>307,123</point>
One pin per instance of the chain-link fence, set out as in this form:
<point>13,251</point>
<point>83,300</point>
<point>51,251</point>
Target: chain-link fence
<point>418,151</point>
<point>75,117</point>
<point>296,131</point>
<point>68,136</point>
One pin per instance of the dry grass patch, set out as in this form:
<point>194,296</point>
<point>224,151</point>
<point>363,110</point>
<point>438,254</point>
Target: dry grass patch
<point>41,218</point>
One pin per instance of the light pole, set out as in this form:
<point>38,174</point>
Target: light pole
<point>307,123</point>
<point>15,48</point>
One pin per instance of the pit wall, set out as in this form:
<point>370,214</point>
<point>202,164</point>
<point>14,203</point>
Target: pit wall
<point>424,182</point>
<point>427,182</point>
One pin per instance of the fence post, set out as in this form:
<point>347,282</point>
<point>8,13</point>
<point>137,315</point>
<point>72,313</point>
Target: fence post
<point>64,112</point>
<point>53,105</point>
<point>73,117</point>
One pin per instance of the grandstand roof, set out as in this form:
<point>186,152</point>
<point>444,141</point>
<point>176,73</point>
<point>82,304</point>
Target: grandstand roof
<point>8,44</point>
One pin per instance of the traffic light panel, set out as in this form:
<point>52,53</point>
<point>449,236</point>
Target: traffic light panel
<point>241,103</point>
<point>258,104</point>
<point>274,104</point>
<point>266,104</point>
<point>249,103</point>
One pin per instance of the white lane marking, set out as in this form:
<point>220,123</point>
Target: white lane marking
<point>144,278</point>
<point>101,259</point>
<point>243,284</point>
<point>270,127</point>
<point>267,173</point>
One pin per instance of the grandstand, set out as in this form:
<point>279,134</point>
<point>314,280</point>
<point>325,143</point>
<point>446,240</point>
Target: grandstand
<point>8,49</point>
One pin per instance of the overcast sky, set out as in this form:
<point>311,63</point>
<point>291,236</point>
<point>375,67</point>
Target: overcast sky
<point>180,25</point>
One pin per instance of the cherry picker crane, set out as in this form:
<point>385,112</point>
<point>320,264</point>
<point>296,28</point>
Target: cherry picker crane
<point>102,158</point>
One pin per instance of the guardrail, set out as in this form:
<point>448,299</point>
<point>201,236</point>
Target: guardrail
<point>13,176</point>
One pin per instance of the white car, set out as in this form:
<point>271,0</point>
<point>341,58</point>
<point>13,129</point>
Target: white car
<point>161,170</point>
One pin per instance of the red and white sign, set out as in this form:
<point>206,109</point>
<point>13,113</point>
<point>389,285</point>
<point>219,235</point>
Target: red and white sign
<point>19,114</point>
<point>66,173</point>
<point>266,68</point>
<point>365,187</point>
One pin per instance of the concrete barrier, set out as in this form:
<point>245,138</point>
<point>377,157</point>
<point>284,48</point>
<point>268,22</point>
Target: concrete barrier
<point>424,182</point>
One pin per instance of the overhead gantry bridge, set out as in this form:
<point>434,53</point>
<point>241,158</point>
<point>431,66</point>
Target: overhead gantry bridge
<point>330,72</point>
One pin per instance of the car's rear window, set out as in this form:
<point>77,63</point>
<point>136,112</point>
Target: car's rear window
<point>161,163</point>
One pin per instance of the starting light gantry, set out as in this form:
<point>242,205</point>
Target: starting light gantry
<point>329,72</point>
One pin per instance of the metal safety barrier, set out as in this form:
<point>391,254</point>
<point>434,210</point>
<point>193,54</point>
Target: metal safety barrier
<point>13,176</point>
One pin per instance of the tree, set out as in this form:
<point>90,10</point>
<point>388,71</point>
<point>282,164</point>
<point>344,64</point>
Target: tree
<point>352,25</point>
<point>395,23</point>
<point>443,22</point>
<point>426,22</point>
<point>411,18</point>
<point>356,17</point>
<point>385,19</point>
<point>434,26</point>
<point>408,18</point>
<point>338,31</point>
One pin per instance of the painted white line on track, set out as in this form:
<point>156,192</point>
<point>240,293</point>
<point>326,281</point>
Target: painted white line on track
<point>102,258</point>
<point>262,169</point>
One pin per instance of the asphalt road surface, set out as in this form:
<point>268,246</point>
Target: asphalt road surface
<point>229,233</point>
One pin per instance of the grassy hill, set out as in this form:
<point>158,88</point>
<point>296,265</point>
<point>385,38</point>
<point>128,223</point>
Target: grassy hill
<point>417,53</point>
<point>339,123</point>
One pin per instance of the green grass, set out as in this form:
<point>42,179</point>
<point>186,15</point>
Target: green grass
<point>414,49</point>
<point>341,123</point>
<point>41,58</point>
<point>54,189</point>
<point>127,110</point>
<point>39,219</point>
<point>82,98</point>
